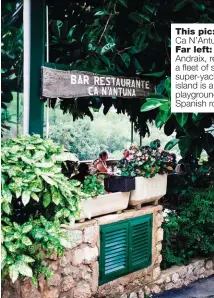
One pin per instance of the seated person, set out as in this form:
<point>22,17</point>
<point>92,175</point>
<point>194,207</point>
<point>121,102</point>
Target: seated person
<point>83,170</point>
<point>100,165</point>
<point>124,160</point>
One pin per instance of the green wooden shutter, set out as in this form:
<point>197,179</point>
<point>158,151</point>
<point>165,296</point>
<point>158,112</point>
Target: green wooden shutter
<point>113,251</point>
<point>140,242</point>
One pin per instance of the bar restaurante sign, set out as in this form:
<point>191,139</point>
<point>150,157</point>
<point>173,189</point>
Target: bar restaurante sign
<point>72,84</point>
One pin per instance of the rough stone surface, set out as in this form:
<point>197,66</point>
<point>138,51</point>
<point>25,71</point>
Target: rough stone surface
<point>51,293</point>
<point>160,234</point>
<point>82,290</point>
<point>90,235</point>
<point>141,294</point>
<point>175,277</point>
<point>75,238</point>
<point>133,295</point>
<point>67,284</point>
<point>29,291</point>
<point>54,280</point>
<point>209,264</point>
<point>84,255</point>
<point>156,273</point>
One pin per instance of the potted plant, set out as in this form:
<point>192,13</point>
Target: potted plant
<point>100,201</point>
<point>149,165</point>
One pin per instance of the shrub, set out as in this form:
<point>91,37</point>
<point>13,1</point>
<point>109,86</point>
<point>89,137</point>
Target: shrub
<point>36,199</point>
<point>94,185</point>
<point>147,161</point>
<point>189,231</point>
<point>32,181</point>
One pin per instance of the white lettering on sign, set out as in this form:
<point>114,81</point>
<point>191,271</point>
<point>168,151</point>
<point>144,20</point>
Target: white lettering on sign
<point>119,86</point>
<point>75,83</point>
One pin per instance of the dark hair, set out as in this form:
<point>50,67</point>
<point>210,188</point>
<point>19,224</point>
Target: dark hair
<point>103,154</point>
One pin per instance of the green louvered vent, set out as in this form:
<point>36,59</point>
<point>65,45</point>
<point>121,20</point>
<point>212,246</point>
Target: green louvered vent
<point>115,251</point>
<point>141,243</point>
<point>125,247</point>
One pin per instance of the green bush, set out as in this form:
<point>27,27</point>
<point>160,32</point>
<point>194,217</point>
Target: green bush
<point>94,185</point>
<point>36,199</point>
<point>189,231</point>
<point>33,183</point>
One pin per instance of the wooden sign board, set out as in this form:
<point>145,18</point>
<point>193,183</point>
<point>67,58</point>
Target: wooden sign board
<point>73,84</point>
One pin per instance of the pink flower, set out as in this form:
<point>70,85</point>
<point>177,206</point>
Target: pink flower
<point>130,157</point>
<point>139,153</point>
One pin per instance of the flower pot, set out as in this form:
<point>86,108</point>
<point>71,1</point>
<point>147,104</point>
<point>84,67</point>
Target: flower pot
<point>104,204</point>
<point>148,189</point>
<point>119,184</point>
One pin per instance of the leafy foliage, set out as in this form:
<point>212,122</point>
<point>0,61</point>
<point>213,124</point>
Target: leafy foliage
<point>94,185</point>
<point>32,181</point>
<point>36,198</point>
<point>147,161</point>
<point>192,134</point>
<point>189,231</point>
<point>12,56</point>
<point>23,247</point>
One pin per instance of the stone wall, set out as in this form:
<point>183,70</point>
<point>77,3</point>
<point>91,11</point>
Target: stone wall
<point>76,274</point>
<point>176,277</point>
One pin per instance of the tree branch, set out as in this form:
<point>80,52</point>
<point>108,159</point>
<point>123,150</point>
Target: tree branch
<point>105,28</point>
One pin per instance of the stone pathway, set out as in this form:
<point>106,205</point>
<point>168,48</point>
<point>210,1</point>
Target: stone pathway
<point>203,288</point>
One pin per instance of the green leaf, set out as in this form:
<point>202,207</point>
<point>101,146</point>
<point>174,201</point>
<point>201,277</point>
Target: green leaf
<point>6,208</point>
<point>71,31</point>
<point>25,270</point>
<point>25,197</point>
<point>139,37</point>
<point>197,149</point>
<point>184,145</point>
<point>145,17</point>
<point>34,196</point>
<point>3,253</point>
<point>179,5</point>
<point>108,47</point>
<point>26,241</point>
<point>26,259</point>
<point>181,118</point>
<point>155,74</point>
<point>158,120</point>
<point>168,86</point>
<point>101,13</point>
<point>166,108</point>
<point>48,179</point>
<point>13,272</point>
<point>150,105</point>
<point>46,199</point>
<point>126,59</point>
<point>208,142</point>
<point>123,2</point>
<point>27,227</point>
<point>171,144</point>
<point>56,197</point>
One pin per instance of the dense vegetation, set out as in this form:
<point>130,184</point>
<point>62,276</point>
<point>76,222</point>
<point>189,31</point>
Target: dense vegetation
<point>189,230</point>
<point>36,199</point>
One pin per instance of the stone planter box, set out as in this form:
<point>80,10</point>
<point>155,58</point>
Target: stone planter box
<point>104,204</point>
<point>148,189</point>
